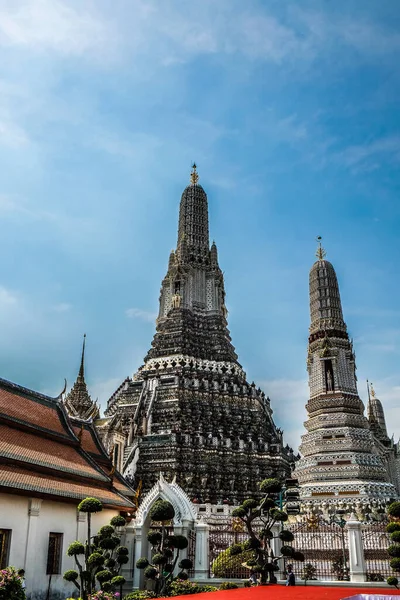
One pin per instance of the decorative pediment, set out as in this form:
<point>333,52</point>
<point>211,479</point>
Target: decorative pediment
<point>172,492</point>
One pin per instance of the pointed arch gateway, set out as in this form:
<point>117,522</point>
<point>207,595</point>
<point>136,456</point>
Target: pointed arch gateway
<point>184,511</point>
<point>184,519</point>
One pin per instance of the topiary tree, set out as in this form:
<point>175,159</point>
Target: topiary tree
<point>166,549</point>
<point>265,512</point>
<point>100,559</point>
<point>309,572</point>
<point>393,528</point>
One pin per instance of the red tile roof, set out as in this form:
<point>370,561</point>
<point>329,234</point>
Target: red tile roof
<point>23,447</point>
<point>15,478</point>
<point>19,407</point>
<point>42,454</point>
<point>87,441</point>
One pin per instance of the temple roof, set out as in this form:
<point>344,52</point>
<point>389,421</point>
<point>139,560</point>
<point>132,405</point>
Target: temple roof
<point>45,453</point>
<point>78,402</point>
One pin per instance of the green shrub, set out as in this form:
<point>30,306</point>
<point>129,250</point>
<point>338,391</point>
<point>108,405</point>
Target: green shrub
<point>154,537</point>
<point>140,595</point>
<point>150,572</point>
<point>395,564</point>
<point>142,563</point>
<point>299,556</point>
<point>185,563</point>
<point>95,559</point>
<point>279,515</point>
<point>90,505</point>
<point>248,504</point>
<point>122,550</point>
<point>251,544</point>
<point>392,581</point>
<point>104,575</point>
<point>226,564</point>
<point>246,583</point>
<point>162,511</point>
<point>287,551</point>
<point>118,521</point>
<point>108,543</point>
<point>177,541</point>
<point>159,559</point>
<point>394,509</point>
<point>228,585</point>
<point>106,531</point>
<point>11,584</point>
<point>71,575</point>
<point>122,559</point>
<point>394,550</point>
<point>110,563</point>
<point>182,588</point>
<point>286,536</point>
<point>391,527</point>
<point>75,548</point>
<point>238,512</point>
<point>118,580</point>
<point>271,486</point>
<point>395,537</point>
<point>182,575</point>
<point>234,549</point>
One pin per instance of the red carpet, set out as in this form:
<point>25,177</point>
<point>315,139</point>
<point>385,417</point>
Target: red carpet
<point>280,592</point>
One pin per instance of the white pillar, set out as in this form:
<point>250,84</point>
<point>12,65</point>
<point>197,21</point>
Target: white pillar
<point>81,530</point>
<point>30,566</point>
<point>276,544</point>
<point>201,561</point>
<point>138,553</point>
<point>128,539</point>
<point>356,550</point>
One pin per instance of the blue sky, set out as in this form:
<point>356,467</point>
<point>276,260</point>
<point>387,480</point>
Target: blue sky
<point>291,111</point>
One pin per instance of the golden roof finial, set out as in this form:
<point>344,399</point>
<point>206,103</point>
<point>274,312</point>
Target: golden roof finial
<point>320,254</point>
<point>194,176</point>
<point>371,387</point>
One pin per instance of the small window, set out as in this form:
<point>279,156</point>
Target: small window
<point>220,510</point>
<point>5,538</point>
<point>202,509</point>
<point>54,554</point>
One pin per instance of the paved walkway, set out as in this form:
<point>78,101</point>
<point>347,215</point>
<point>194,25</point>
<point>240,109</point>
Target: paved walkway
<point>280,592</point>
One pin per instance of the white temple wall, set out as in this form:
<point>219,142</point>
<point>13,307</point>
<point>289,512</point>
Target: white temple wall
<point>30,521</point>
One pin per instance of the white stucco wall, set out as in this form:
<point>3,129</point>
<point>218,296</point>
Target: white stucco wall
<point>30,538</point>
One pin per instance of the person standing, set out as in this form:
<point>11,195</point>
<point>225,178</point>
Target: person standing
<point>291,579</point>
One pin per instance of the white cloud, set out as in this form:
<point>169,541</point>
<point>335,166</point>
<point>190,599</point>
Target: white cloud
<point>138,313</point>
<point>12,135</point>
<point>7,298</point>
<point>103,389</point>
<point>288,400</point>
<point>369,155</point>
<point>51,25</point>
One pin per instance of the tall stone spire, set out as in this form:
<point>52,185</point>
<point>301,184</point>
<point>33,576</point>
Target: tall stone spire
<point>376,415</point>
<point>78,401</point>
<point>192,313</point>
<point>193,221</point>
<point>189,410</point>
<point>339,460</point>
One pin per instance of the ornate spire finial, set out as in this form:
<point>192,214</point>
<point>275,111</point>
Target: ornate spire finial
<point>372,390</point>
<point>194,176</point>
<point>82,367</point>
<point>320,254</point>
